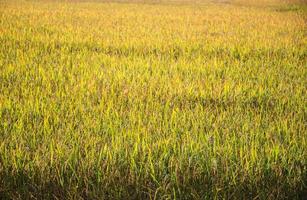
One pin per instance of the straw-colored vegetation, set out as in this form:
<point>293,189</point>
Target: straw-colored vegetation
<point>164,99</point>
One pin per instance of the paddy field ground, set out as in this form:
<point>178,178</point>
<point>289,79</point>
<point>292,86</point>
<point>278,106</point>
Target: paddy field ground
<point>170,99</point>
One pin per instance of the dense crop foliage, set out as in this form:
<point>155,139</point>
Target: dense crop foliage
<point>170,99</point>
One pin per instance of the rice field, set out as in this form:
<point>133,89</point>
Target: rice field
<point>170,99</point>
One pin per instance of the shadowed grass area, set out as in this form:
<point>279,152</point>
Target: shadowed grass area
<point>293,8</point>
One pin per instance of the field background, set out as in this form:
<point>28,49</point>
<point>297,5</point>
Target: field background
<point>144,99</point>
